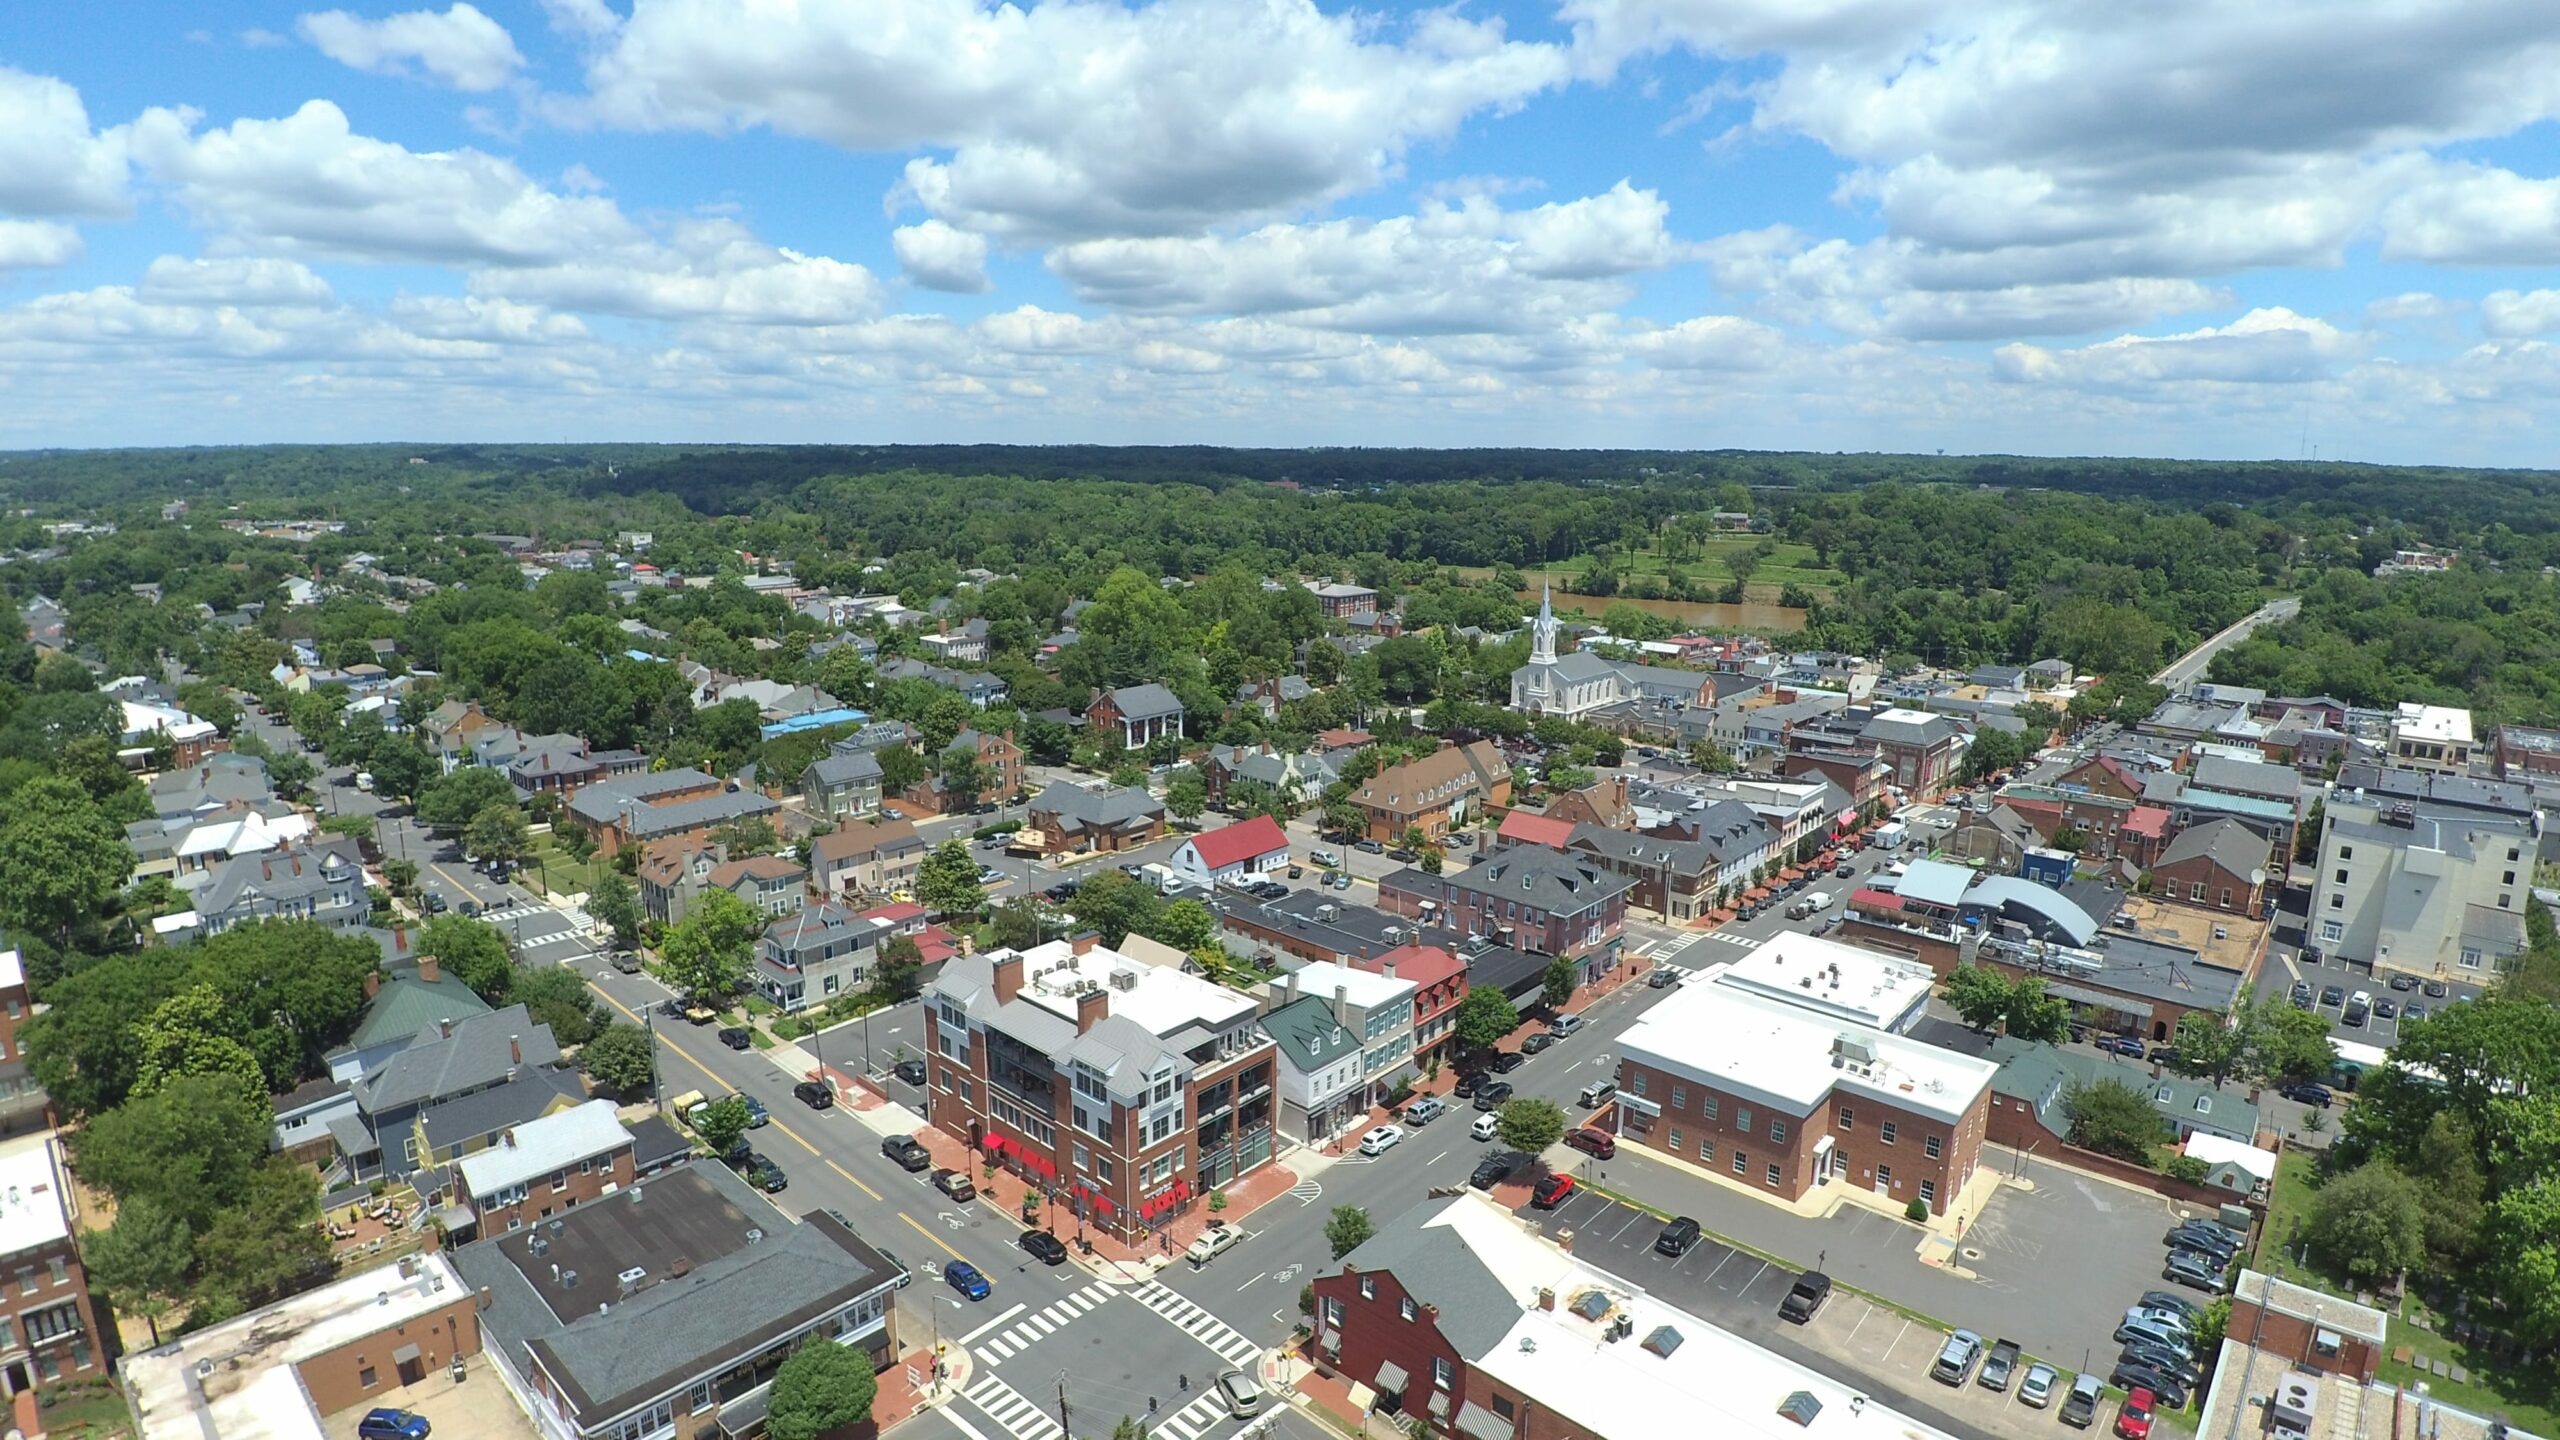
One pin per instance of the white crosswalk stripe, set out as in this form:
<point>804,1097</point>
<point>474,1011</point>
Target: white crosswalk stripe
<point>1723,937</point>
<point>1220,1338</point>
<point>1192,1419</point>
<point>1042,1323</point>
<point>1307,1191</point>
<point>1017,1417</point>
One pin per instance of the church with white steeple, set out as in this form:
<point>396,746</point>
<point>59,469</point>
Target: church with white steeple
<point>1578,684</point>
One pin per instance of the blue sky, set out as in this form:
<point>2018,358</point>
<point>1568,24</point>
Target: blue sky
<point>2009,225</point>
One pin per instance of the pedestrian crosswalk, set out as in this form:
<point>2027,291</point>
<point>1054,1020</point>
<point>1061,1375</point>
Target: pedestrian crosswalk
<point>1220,1338</point>
<point>1192,1420</point>
<point>1041,1324</point>
<point>1676,954</point>
<point>1018,1417</point>
<point>513,912</point>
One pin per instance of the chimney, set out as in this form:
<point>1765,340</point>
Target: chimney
<point>507,1137</point>
<point>430,969</point>
<point>1091,1006</point>
<point>400,939</point>
<point>444,1029</point>
<point>1546,1298</point>
<point>1008,976</point>
<point>1388,961</point>
<point>515,1049</point>
<point>1622,792</point>
<point>485,1298</point>
<point>267,869</point>
<point>1342,1006</point>
<point>1083,943</point>
<point>372,984</point>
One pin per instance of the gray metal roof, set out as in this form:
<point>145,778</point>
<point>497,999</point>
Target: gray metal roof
<point>843,769</point>
<point>526,1097</point>
<point>1434,1263</point>
<point>1145,702</point>
<point>1934,882</point>
<point>2227,843</point>
<point>1308,1035</point>
<point>479,1052</point>
<point>2043,904</point>
<point>1076,807</point>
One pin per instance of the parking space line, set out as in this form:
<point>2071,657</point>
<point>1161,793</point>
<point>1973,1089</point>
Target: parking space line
<point>1897,1339</point>
<point>1633,1215</point>
<point>1727,1260</point>
<point>1866,1313</point>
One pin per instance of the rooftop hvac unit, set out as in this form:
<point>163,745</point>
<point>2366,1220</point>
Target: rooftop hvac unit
<point>2294,1408</point>
<point>1124,979</point>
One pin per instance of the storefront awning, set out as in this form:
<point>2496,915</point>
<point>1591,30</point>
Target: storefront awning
<point>406,1354</point>
<point>1391,1378</point>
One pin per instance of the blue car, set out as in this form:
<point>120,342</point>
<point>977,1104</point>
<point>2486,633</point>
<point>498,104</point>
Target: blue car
<point>962,1276</point>
<point>389,1424</point>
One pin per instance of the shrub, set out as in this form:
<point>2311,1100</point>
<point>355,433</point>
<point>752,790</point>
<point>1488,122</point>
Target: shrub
<point>1917,1212</point>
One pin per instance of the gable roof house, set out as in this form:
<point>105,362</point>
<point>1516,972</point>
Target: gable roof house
<point>1243,851</point>
<point>446,1062</point>
<point>322,883</point>
<point>1436,793</point>
<point>1134,715</point>
<point>817,952</point>
<point>769,884</point>
<point>2219,865</point>
<point>1067,818</point>
<point>672,872</point>
<point>1304,775</point>
<point>866,858</point>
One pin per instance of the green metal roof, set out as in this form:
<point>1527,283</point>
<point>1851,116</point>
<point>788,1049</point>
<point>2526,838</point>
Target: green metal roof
<point>408,1005</point>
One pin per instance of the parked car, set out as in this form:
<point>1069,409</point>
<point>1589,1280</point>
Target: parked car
<point>766,1176</point>
<point>2301,994</point>
<point>2333,996</point>
<point>2165,1389</point>
<point>1567,1025</point>
<point>435,903</point>
<point>1486,1127</point>
<point>1662,978</point>
<point>2306,1092</point>
<point>1425,1110</point>
<point>1493,1095</point>
<point>2213,1233</point>
<point>757,1116</point>
<point>2167,1300</point>
<point>2080,1407</point>
<point>1213,1242</point>
<point>1999,1366</point>
<point>911,1071</point>
<point>2404,982</point>
<point>2125,1045</point>
<point>1677,1237</point>
<point>1805,1297</point>
<point>1598,1093</point>
<point>1956,1358</point>
<point>1341,879</point>
<point>1594,1141</point>
<point>1493,1169</point>
<point>2194,1271</point>
<point>2152,1331</point>
<point>962,1276</point>
<point>2036,1386</point>
<point>735,1037</point>
<point>1371,847</point>
<point>1552,1191</point>
<point>2133,1417</point>
<point>1383,1138</point>
<point>1538,1043</point>
<point>2435,989</point>
<point>2163,1359</point>
<point>1503,1062</point>
<point>956,1184</point>
<point>626,961</point>
<point>389,1424</point>
<point>2412,1011</point>
<point>1044,1247</point>
<point>1323,857</point>
<point>1468,1084</point>
<point>1403,856</point>
<point>816,1094</point>
<point>910,1156</point>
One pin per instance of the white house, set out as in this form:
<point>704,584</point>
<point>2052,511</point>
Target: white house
<point>1231,853</point>
<point>1376,1008</point>
<point>1320,1070</point>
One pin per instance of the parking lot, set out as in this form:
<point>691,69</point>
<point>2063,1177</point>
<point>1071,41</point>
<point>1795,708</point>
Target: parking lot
<point>2050,1263</point>
<point>1878,1350</point>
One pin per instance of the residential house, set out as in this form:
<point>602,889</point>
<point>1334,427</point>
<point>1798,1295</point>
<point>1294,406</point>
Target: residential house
<point>2219,865</point>
<point>319,882</point>
<point>147,725</point>
<point>403,1003</point>
<point>1133,716</point>
<point>666,1308</point>
<point>2030,1090</point>
<point>1232,854</point>
<point>23,1103</point>
<point>1000,768</point>
<point>866,858</point>
<point>1434,794</point>
<point>564,764</point>
<point>964,643</point>
<point>816,953</point>
<point>771,885</point>
<point>975,686</point>
<point>842,784</point>
<point>1340,599</point>
<point>1267,696</point>
<point>1996,842</point>
<point>1862,775</point>
<point>459,1058</point>
<point>1526,899</point>
<point>640,809</point>
<point>672,873</point>
<point>1135,1090</point>
<point>220,780</point>
<point>1302,777</point>
<point>1067,818</point>
<point>1321,1089</point>
<point>1374,1005</point>
<point>1439,983</point>
<point>546,1166</point>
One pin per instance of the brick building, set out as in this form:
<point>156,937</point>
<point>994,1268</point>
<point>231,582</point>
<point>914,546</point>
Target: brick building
<point>1862,776</point>
<point>666,804</point>
<point>1135,715</point>
<point>23,1103</point>
<point>1440,983</point>
<point>1067,818</point>
<point>2219,865</point>
<point>1436,793</point>
<point>49,1329</point>
<point>1132,1089</point>
<point>544,1166</point>
<point>1789,1072</point>
<point>1525,898</point>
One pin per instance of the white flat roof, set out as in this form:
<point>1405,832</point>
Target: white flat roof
<point>236,1381</point>
<point>2215,1150</point>
<point>1756,1047</point>
<point>1836,981</point>
<point>1367,989</point>
<point>543,1145</point>
<point>35,1204</point>
<point>1161,998</point>
<point>1711,1381</point>
<point>2432,722</point>
<point>13,970</point>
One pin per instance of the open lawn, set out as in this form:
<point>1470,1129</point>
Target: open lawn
<point>2492,1385</point>
<point>1788,564</point>
<point>561,874</point>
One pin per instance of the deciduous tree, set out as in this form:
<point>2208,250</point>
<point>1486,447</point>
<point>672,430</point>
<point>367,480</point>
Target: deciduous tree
<point>1347,1229</point>
<point>947,881</point>
<point>722,1123</point>
<point>821,1387</point>
<point>61,861</point>
<point>473,952</point>
<point>2113,1118</point>
<point>2370,1222</point>
<point>1529,1124</point>
<point>1484,1017</point>
<point>618,1058</point>
<point>142,1259</point>
<point>708,956</point>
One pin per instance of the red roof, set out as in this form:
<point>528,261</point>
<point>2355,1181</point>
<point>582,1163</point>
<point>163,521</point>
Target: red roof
<point>1237,843</point>
<point>1531,828</point>
<point>936,944</point>
<point>896,914</point>
<point>1424,965</point>
<point>1878,899</point>
<point>2149,821</point>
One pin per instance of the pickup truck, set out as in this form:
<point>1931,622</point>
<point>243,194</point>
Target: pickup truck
<point>1999,1365</point>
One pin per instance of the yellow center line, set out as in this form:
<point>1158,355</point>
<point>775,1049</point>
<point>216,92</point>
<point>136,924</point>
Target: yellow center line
<point>929,1235</point>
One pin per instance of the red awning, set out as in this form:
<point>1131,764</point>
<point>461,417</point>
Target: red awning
<point>992,1143</point>
<point>1104,1201</point>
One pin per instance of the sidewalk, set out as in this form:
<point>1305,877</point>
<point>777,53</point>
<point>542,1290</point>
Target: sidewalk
<point>907,1387</point>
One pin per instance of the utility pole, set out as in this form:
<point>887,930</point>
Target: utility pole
<point>649,1028</point>
<point>1063,1427</point>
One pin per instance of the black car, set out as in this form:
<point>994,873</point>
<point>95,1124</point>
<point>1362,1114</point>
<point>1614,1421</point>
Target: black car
<point>2404,982</point>
<point>816,1094</point>
<point>2306,1092</point>
<point>2435,989</point>
<point>2163,1359</point>
<point>1677,1237</point>
<point>435,904</point>
<point>910,1156</point>
<point>2333,995</point>
<point>1468,1084</point>
<point>735,1037</point>
<point>911,1071</point>
<point>1492,1096</point>
<point>1491,1169</point>
<point>2164,1387</point>
<point>2386,1008</point>
<point>763,1174</point>
<point>1536,1043</point>
<point>1805,1297</point>
<point>1044,1247</point>
<point>1403,856</point>
<point>1506,1061</point>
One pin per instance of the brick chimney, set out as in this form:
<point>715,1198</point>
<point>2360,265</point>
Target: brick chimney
<point>372,984</point>
<point>507,1137</point>
<point>1083,942</point>
<point>430,969</point>
<point>400,939</point>
<point>1342,1006</point>
<point>515,1049</point>
<point>1008,976</point>
<point>1091,1006</point>
<point>444,1029</point>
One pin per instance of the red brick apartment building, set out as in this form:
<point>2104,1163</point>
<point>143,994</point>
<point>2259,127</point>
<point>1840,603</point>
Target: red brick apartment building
<point>545,1166</point>
<point>1440,983</point>
<point>1131,1089</point>
<point>51,1324</point>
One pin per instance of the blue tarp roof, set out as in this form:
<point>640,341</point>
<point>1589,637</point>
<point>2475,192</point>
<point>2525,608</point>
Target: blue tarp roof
<point>816,720</point>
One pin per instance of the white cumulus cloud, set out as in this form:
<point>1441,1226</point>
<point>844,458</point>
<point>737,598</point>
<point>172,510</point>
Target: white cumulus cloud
<point>941,257</point>
<point>461,47</point>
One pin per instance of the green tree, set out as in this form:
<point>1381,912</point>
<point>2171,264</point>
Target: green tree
<point>61,862</point>
<point>1564,975</point>
<point>1347,1229</point>
<point>2370,1222</point>
<point>1115,904</point>
<point>614,902</point>
<point>294,989</point>
<point>401,876</point>
<point>618,1058</point>
<point>1529,1125</point>
<point>722,1123</point>
<point>947,881</point>
<point>192,1146</point>
<point>1342,818</point>
<point>750,835</point>
<point>474,952</point>
<point>901,770</point>
<point>1186,794</point>
<point>142,1260</point>
<point>557,996</point>
<point>188,1034</point>
<point>497,833</point>
<point>898,975</point>
<point>2214,1045</point>
<point>1711,757</point>
<point>2288,1043</point>
<point>400,769</point>
<point>2456,1191</point>
<point>1484,1017</point>
<point>708,956</point>
<point>266,1245</point>
<point>2036,1016</point>
<point>1186,925</point>
<point>2113,1118</point>
<point>2523,1231</point>
<point>1980,994</point>
<point>821,1387</point>
<point>964,777</point>
<point>451,802</point>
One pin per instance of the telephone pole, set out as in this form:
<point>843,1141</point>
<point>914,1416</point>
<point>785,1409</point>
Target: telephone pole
<point>1063,1428</point>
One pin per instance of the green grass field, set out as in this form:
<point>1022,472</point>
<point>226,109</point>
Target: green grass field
<point>1789,564</point>
<point>561,874</point>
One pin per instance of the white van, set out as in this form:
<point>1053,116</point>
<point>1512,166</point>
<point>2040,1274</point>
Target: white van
<point>1816,901</point>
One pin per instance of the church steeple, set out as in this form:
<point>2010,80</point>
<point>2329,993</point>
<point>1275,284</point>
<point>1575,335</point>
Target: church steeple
<point>1542,634</point>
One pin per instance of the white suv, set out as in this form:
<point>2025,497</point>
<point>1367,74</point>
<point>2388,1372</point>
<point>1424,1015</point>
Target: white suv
<point>1381,1139</point>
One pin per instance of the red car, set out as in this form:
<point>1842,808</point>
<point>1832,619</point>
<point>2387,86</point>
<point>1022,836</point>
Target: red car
<point>2133,1421</point>
<point>1592,1140</point>
<point>1551,1192</point>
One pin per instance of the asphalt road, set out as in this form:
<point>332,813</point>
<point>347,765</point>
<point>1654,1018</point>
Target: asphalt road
<point>2191,666</point>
